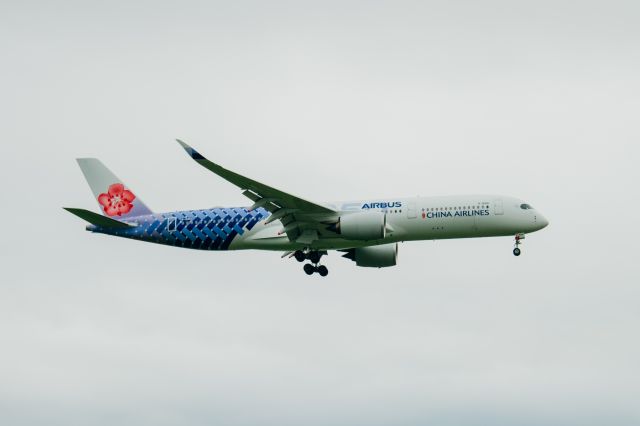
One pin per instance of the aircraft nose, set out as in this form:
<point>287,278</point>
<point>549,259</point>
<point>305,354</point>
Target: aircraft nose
<point>542,221</point>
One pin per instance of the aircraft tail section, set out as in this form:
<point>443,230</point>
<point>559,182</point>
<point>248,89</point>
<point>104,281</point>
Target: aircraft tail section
<point>115,199</point>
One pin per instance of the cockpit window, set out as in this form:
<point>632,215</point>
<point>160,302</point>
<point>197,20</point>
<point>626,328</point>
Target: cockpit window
<point>525,206</point>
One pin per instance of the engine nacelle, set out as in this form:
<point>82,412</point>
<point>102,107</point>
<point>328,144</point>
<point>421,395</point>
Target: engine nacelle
<point>363,226</point>
<point>381,256</point>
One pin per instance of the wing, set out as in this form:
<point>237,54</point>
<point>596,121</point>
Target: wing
<point>303,221</point>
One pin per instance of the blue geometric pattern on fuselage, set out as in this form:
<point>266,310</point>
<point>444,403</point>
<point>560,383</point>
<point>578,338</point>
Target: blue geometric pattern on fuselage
<point>211,229</point>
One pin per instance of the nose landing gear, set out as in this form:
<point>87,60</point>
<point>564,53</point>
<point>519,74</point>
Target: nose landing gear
<point>314,257</point>
<point>516,250</point>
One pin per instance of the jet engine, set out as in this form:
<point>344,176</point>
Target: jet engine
<point>380,256</point>
<point>364,226</point>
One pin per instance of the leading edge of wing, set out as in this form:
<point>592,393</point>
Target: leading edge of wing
<point>265,191</point>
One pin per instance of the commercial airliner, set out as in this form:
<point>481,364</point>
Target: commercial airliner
<point>367,232</point>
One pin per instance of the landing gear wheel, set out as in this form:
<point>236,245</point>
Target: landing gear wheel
<point>323,271</point>
<point>309,269</point>
<point>300,256</point>
<point>516,251</point>
<point>314,256</point>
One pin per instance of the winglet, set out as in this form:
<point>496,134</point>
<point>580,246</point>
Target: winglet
<point>192,152</point>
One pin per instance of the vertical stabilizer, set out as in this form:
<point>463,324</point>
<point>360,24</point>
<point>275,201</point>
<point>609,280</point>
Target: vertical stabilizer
<point>114,197</point>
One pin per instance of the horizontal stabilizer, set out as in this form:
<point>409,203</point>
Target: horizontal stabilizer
<point>98,219</point>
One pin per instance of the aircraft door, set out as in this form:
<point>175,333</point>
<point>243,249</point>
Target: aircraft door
<point>411,210</point>
<point>172,223</point>
<point>498,208</point>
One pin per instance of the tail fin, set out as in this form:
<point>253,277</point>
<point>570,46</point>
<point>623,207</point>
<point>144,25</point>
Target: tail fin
<point>110,192</point>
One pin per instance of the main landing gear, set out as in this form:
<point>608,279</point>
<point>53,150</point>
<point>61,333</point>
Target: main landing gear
<point>314,257</point>
<point>309,269</point>
<point>519,238</point>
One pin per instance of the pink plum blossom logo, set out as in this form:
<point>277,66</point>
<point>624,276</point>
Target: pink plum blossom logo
<point>117,201</point>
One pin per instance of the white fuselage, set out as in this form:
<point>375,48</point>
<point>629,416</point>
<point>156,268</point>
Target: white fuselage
<point>419,218</point>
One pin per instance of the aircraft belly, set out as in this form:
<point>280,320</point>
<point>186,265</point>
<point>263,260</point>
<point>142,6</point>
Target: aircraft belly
<point>493,226</point>
<point>282,243</point>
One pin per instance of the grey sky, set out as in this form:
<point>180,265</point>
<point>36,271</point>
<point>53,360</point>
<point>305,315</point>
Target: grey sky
<point>330,101</point>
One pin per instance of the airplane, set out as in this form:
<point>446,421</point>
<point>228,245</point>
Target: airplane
<point>366,232</point>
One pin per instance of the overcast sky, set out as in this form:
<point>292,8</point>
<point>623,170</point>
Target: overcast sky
<point>330,101</point>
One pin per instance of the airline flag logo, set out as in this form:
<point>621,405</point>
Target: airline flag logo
<point>117,200</point>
